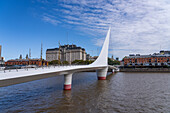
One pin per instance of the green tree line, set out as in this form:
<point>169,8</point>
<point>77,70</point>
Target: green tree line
<point>81,62</point>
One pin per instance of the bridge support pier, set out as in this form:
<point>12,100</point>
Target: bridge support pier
<point>113,71</point>
<point>67,81</point>
<point>102,73</point>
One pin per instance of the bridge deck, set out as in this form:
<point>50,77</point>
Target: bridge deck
<point>24,75</point>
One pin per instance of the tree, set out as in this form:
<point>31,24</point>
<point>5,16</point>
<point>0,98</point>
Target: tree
<point>54,62</point>
<point>78,62</point>
<point>111,62</point>
<point>65,62</point>
<point>81,62</point>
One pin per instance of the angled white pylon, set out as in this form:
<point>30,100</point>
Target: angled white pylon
<point>103,57</point>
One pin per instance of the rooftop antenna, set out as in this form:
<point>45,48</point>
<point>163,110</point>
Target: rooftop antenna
<point>30,53</point>
<point>67,37</point>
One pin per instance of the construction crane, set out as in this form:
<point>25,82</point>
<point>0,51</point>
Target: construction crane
<point>41,53</point>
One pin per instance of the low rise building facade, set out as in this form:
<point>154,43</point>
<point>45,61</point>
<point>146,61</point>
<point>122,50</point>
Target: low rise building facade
<point>26,61</point>
<point>156,59</point>
<point>66,53</point>
<point>36,62</point>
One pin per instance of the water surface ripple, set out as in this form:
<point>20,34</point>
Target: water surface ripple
<point>120,93</point>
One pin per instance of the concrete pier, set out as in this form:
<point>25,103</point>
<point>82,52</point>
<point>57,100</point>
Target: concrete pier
<point>67,81</point>
<point>102,73</point>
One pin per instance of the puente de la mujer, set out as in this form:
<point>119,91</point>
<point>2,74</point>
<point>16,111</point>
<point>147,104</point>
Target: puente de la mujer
<point>25,75</point>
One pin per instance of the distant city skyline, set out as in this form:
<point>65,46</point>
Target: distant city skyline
<point>137,26</point>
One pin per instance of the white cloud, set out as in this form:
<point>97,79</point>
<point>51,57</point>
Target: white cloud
<point>138,26</point>
<point>50,19</point>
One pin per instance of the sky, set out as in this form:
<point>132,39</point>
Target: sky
<point>137,26</point>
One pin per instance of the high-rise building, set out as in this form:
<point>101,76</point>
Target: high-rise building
<point>66,53</point>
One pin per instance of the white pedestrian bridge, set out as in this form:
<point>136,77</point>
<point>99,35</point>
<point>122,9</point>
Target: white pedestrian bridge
<point>11,77</point>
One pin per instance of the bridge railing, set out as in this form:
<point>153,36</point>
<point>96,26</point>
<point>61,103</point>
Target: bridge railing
<point>17,69</point>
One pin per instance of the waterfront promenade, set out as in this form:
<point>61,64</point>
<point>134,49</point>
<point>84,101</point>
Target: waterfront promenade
<point>156,70</point>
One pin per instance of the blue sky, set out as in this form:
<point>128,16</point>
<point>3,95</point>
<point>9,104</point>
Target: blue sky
<point>137,26</point>
<point>22,27</point>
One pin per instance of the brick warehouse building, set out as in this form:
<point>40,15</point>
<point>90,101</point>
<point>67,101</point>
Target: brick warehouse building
<point>157,59</point>
<point>37,62</point>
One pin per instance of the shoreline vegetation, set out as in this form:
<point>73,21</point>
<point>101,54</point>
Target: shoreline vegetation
<point>82,62</point>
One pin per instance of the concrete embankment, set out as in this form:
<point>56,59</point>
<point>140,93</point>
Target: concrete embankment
<point>145,70</point>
